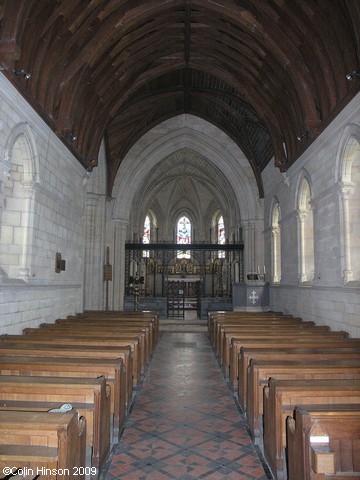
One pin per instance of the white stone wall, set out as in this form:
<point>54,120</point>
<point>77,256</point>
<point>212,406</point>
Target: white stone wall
<point>95,251</point>
<point>53,193</point>
<point>329,300</point>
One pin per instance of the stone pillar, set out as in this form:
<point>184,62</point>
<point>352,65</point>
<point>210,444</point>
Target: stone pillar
<point>247,260</point>
<point>250,244</point>
<point>301,246</point>
<point>120,235</point>
<point>94,252</point>
<point>27,229</point>
<point>346,190</point>
<point>275,255</point>
<point>4,175</point>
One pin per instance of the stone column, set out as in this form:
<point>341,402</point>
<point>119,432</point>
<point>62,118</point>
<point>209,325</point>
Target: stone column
<point>27,228</point>
<point>120,235</point>
<point>246,239</point>
<point>301,246</point>
<point>4,175</point>
<point>94,252</point>
<point>346,189</point>
<point>275,252</point>
<point>249,237</point>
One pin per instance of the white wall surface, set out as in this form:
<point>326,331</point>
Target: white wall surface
<point>51,182</point>
<point>329,299</point>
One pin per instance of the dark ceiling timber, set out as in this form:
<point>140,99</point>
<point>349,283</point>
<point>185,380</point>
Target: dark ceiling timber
<point>263,71</point>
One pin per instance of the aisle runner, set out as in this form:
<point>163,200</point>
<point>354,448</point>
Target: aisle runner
<point>184,424</point>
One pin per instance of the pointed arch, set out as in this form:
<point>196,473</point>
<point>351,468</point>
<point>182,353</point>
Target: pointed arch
<point>17,222</point>
<point>305,220</point>
<point>275,241</point>
<point>348,171</point>
<point>185,131</point>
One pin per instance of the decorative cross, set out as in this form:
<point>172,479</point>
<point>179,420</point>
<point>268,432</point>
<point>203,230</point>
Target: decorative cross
<point>253,297</point>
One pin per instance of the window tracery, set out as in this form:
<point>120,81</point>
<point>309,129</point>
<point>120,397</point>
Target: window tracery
<point>183,236</point>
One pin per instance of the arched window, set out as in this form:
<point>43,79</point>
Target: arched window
<point>18,199</point>
<point>276,242</point>
<point>147,231</point>
<point>349,183</point>
<point>146,235</point>
<point>306,233</point>
<point>221,235</point>
<point>354,216</point>
<point>183,236</point>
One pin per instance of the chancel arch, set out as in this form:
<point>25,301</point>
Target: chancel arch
<point>185,131</point>
<point>349,196</point>
<point>186,155</point>
<point>305,222</point>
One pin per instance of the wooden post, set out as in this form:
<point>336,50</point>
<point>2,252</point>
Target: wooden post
<point>107,277</point>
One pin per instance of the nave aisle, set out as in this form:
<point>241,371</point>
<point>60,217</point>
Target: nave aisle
<point>184,423</point>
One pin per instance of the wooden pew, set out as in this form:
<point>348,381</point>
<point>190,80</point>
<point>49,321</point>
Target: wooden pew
<point>97,333</point>
<point>269,331</point>
<point>260,371</point>
<point>224,328</point>
<point>41,442</point>
<point>340,458</point>
<point>273,320</point>
<point>112,370</point>
<point>252,319</point>
<point>216,316</point>
<point>152,318</point>
<point>280,399</point>
<point>121,325</point>
<point>286,354</point>
<point>147,314</point>
<point>309,341</point>
<point>109,326</point>
<point>77,392</point>
<point>63,350</point>
<point>94,315</point>
<point>80,341</point>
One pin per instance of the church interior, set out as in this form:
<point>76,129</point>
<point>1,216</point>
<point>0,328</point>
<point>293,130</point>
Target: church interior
<point>181,157</point>
<point>119,121</point>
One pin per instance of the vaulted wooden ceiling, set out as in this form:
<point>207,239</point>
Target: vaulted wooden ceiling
<point>269,73</point>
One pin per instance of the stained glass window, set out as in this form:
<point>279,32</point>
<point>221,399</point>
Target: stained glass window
<point>184,236</point>
<point>221,235</point>
<point>146,235</point>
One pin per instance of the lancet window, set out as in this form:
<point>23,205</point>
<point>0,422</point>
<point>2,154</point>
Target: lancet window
<point>183,236</point>
<point>146,235</point>
<point>221,235</point>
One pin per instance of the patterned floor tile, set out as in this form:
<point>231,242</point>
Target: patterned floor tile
<point>184,423</point>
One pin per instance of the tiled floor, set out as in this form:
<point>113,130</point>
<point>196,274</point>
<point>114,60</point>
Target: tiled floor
<point>184,423</point>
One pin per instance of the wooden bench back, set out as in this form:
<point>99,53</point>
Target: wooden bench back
<point>40,441</point>
<point>213,327</point>
<point>260,371</point>
<point>226,337</point>
<point>109,324</point>
<point>341,425</point>
<point>112,370</point>
<point>111,338</point>
<point>86,346</point>
<point>273,342</point>
<point>292,393</point>
<point>291,354</point>
<point>67,390</point>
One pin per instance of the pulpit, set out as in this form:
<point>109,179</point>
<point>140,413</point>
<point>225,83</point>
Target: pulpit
<point>251,296</point>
